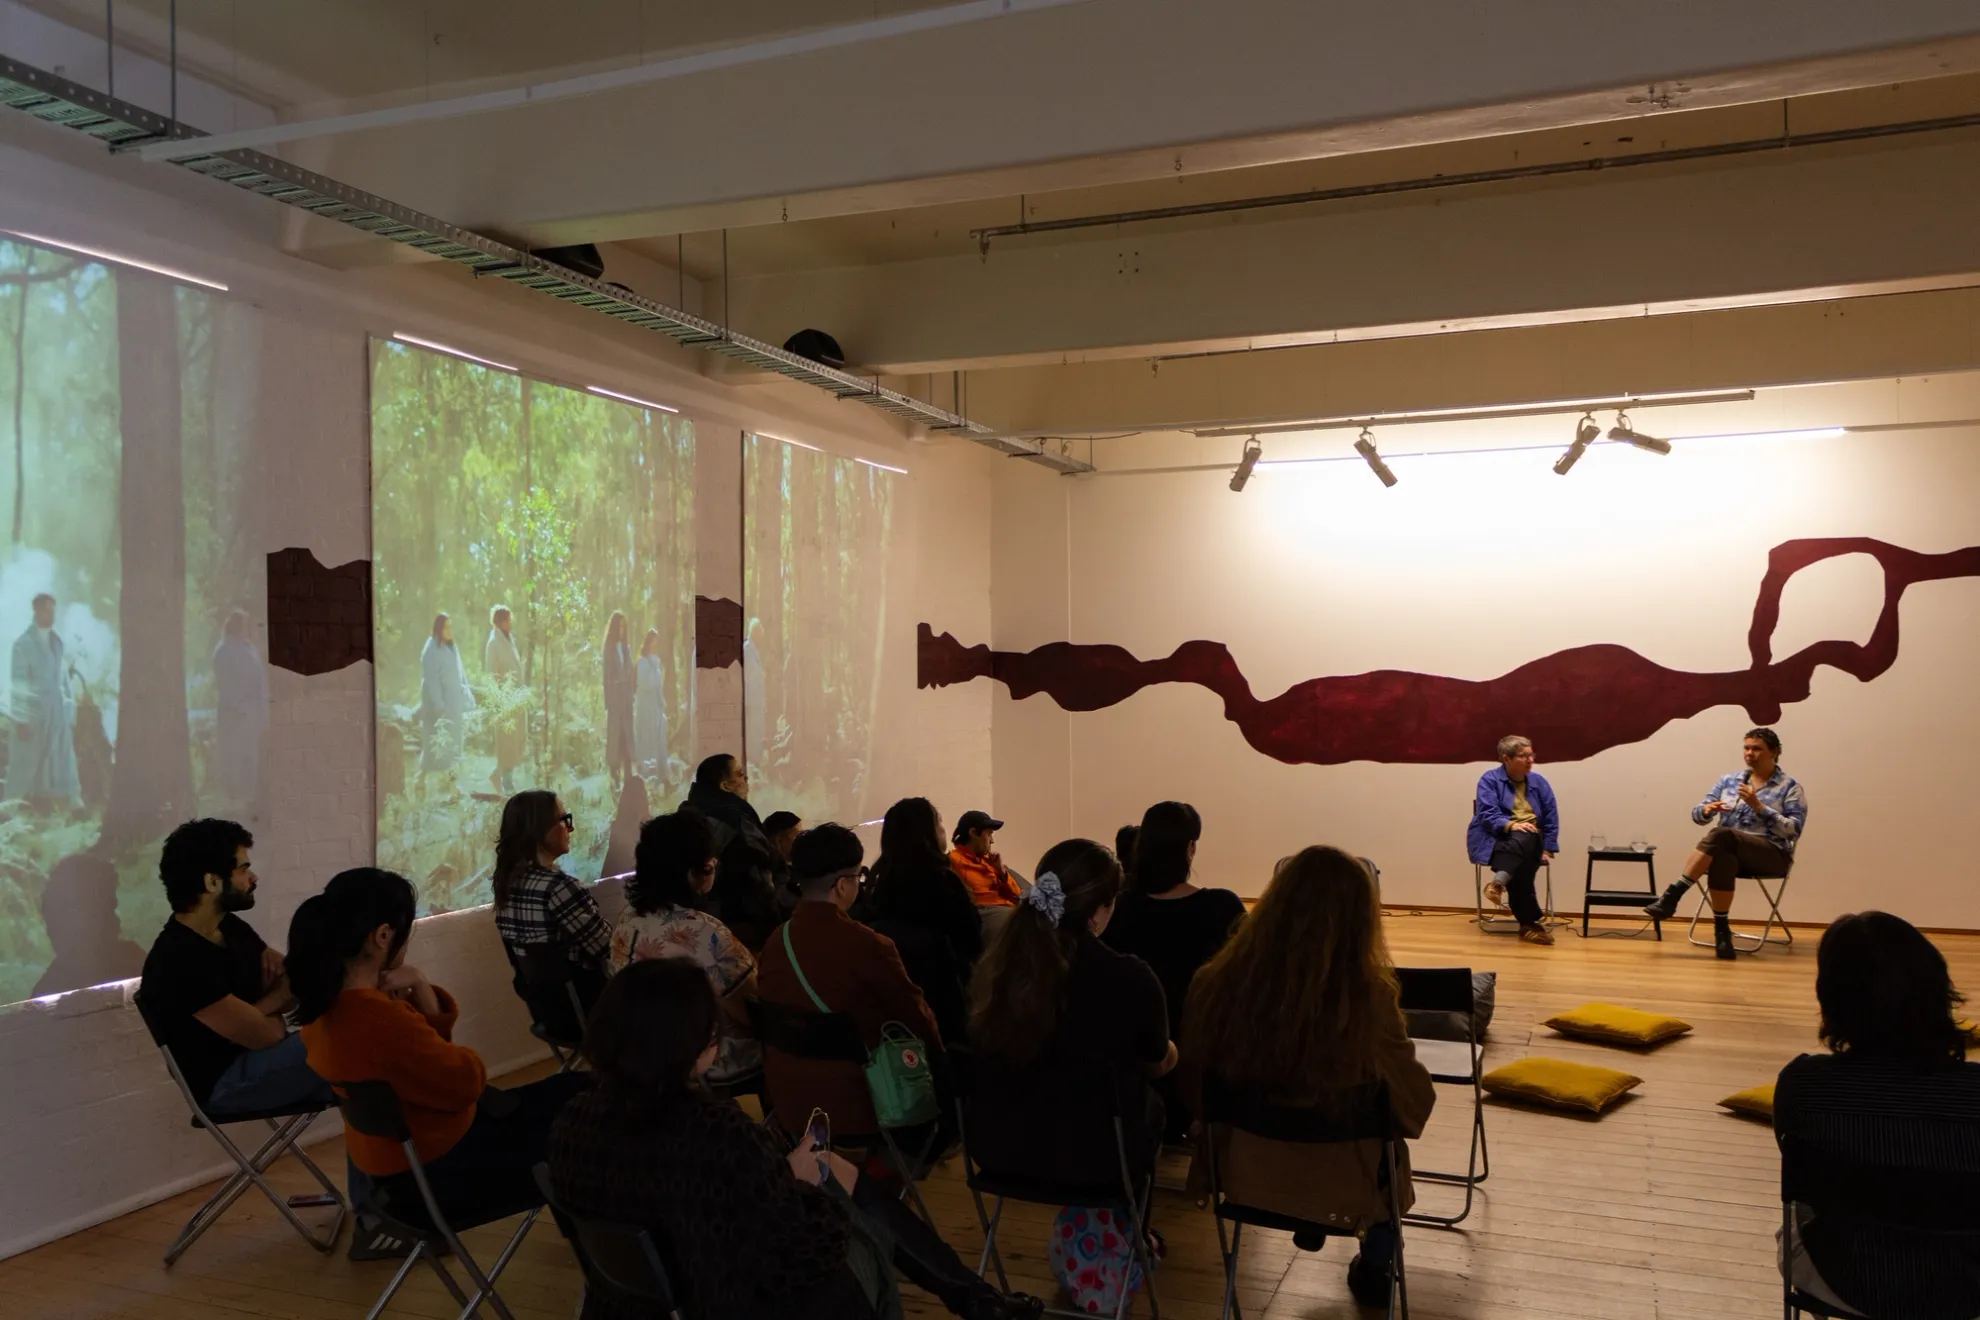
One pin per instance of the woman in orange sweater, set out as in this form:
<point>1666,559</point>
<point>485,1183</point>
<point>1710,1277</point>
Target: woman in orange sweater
<point>368,1016</point>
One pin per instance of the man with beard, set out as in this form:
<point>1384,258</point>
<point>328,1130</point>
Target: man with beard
<point>213,991</point>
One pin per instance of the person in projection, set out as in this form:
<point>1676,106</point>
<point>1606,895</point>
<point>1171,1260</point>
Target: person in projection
<point>503,664</point>
<point>79,910</point>
<point>444,699</point>
<point>617,656</point>
<point>650,708</point>
<point>756,702</point>
<point>41,751</point>
<point>241,719</point>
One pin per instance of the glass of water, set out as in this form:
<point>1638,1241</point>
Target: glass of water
<point>1638,842</point>
<point>1598,842</point>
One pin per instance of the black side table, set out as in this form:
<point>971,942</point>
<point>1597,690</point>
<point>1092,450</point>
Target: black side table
<point>1636,898</point>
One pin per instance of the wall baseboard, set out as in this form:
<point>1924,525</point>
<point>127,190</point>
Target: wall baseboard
<point>1433,909</point>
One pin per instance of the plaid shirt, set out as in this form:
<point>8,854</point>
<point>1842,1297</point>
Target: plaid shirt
<point>1783,811</point>
<point>548,907</point>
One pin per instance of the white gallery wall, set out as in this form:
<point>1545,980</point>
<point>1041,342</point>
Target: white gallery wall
<point>1478,563</point>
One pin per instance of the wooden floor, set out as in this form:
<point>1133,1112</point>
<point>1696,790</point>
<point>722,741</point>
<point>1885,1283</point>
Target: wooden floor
<point>1665,1207</point>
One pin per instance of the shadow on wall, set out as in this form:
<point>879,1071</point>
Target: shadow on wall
<point>1576,702</point>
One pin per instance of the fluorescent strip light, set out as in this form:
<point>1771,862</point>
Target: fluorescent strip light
<point>884,467</point>
<point>784,440</point>
<point>450,351</point>
<point>79,249</point>
<point>627,398</point>
<point>1814,433</point>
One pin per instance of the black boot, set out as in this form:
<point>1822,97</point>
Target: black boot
<point>1722,937</point>
<point>1663,909</point>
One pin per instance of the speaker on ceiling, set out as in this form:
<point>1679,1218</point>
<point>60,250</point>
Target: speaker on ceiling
<point>817,346</point>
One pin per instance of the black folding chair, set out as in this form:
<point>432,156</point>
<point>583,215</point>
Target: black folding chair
<point>548,977</point>
<point>835,1038</point>
<point>373,1108</point>
<point>1933,1213</point>
<point>285,1127</point>
<point>1126,1199</point>
<point>620,1261</point>
<point>1244,1109</point>
<point>1453,1063</point>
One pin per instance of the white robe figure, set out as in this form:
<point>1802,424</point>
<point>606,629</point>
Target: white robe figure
<point>241,720</point>
<point>650,715</point>
<point>41,747</point>
<point>444,701</point>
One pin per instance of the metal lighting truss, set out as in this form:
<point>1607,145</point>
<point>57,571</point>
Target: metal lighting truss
<point>122,126</point>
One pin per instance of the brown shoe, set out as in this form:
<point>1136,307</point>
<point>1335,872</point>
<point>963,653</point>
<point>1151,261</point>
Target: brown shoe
<point>1535,935</point>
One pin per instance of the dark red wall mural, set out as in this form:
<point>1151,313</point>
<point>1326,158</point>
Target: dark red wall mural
<point>319,619</point>
<point>1572,703</point>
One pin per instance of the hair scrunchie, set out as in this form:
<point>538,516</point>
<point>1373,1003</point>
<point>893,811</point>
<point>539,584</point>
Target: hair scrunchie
<point>1049,897</point>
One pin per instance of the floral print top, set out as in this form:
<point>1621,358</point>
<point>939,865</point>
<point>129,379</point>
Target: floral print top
<point>675,932</point>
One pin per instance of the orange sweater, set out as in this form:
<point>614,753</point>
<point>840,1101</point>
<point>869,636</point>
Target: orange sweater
<point>989,884</point>
<point>369,1036</point>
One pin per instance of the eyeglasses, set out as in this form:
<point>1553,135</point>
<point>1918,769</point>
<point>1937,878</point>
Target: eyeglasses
<point>568,821</point>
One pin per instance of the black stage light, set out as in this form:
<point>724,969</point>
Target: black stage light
<point>1627,433</point>
<point>1365,446</point>
<point>1245,464</point>
<point>1586,432</point>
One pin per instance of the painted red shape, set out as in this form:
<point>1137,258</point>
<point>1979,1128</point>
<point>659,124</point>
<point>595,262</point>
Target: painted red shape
<point>1573,703</point>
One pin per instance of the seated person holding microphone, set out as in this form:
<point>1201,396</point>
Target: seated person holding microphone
<point>1760,813</point>
<point>1515,826</point>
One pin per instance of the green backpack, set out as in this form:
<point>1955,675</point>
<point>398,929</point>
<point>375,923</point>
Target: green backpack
<point>897,1072</point>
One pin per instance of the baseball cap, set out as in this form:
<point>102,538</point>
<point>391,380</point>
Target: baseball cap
<point>975,820</point>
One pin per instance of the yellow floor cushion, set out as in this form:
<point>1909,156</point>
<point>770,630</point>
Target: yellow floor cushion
<point>1753,1102</point>
<point>1613,1024</point>
<point>1561,1084</point>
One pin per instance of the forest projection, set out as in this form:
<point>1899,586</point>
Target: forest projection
<point>816,530</point>
<point>533,599</point>
<point>131,588</point>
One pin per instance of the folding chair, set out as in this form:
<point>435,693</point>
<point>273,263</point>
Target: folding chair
<point>285,1127</point>
<point>620,1261</point>
<point>1506,921</point>
<point>1890,1208</point>
<point>1453,1063</point>
<point>1227,1108</point>
<point>1126,1199</point>
<point>835,1038</point>
<point>1749,943</point>
<point>373,1108</point>
<point>546,972</point>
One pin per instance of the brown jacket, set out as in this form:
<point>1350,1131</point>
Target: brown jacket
<point>1334,1184</point>
<point>855,971</point>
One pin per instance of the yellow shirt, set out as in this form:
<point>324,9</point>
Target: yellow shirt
<point>1522,809</point>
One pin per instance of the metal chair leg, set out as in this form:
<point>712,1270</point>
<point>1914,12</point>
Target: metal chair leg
<point>1743,942</point>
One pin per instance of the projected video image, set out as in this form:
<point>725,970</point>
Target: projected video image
<point>131,585</point>
<point>815,554</point>
<point>533,594</point>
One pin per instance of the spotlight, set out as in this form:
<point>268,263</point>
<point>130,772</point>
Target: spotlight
<point>1586,432</point>
<point>1623,431</point>
<point>1365,446</point>
<point>1245,464</point>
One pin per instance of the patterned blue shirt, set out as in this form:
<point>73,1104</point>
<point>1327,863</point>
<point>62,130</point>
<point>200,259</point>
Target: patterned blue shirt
<point>1782,814</point>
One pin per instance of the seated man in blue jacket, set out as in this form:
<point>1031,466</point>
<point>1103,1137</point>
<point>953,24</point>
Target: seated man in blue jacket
<point>1515,826</point>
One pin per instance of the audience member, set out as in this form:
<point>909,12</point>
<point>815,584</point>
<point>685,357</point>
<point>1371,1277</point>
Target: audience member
<point>1065,1029</point>
<point>917,900</point>
<point>1515,826</point>
<point>782,828</point>
<point>673,869</point>
<point>854,970</point>
<point>1895,1090</point>
<point>975,859</point>
<point>367,1015</point>
<point>746,1232</point>
<point>536,905</point>
<point>747,893</point>
<point>1124,840</point>
<point>213,991</point>
<point>1302,1003</point>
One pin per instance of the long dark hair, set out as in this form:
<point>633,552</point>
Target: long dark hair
<point>1017,993</point>
<point>671,849</point>
<point>1161,847</point>
<point>330,928</point>
<point>616,629</point>
<point>526,819</point>
<point>439,622</point>
<point>649,1026</point>
<point>1885,992</point>
<point>910,851</point>
<point>1297,999</point>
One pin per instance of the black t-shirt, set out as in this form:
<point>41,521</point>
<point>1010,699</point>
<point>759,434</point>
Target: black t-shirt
<point>186,972</point>
<point>1175,936</point>
<point>1053,1119</point>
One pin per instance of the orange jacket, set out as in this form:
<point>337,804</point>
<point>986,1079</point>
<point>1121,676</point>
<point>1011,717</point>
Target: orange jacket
<point>989,884</point>
<point>369,1036</point>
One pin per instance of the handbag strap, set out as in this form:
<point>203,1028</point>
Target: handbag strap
<point>823,1007</point>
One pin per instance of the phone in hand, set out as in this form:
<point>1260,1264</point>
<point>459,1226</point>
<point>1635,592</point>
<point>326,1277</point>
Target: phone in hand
<point>818,1131</point>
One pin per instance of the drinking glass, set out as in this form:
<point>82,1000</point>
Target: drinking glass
<point>1598,842</point>
<point>1638,842</point>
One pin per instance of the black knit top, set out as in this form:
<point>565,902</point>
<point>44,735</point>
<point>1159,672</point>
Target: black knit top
<point>742,1239</point>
